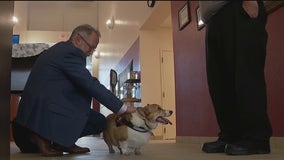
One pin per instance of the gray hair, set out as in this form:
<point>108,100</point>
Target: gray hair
<point>84,30</point>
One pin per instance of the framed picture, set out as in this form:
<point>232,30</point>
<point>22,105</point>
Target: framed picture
<point>271,6</point>
<point>184,16</point>
<point>199,22</point>
<point>113,79</point>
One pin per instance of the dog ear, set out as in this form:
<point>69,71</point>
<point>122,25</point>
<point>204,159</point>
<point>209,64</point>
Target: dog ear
<point>128,116</point>
<point>141,111</point>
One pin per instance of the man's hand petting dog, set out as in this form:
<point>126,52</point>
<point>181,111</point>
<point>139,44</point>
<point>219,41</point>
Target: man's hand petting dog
<point>130,109</point>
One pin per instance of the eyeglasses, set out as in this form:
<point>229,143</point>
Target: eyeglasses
<point>88,44</point>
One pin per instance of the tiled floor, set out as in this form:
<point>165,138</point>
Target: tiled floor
<point>155,150</point>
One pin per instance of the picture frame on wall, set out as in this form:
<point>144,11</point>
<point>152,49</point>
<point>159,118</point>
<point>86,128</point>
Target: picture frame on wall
<point>184,17</point>
<point>199,22</point>
<point>113,80</point>
<point>271,6</point>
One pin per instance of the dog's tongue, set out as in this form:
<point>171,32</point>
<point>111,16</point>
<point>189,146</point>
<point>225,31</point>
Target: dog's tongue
<point>163,120</point>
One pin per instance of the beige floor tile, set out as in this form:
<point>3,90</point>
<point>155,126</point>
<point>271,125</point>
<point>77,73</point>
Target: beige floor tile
<point>155,150</point>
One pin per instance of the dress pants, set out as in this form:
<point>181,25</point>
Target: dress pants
<point>27,144</point>
<point>235,57</point>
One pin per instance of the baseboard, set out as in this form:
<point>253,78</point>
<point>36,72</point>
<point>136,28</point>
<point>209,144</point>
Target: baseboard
<point>275,142</point>
<point>193,139</point>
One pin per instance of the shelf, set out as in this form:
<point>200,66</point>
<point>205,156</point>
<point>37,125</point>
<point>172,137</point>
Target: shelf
<point>132,81</point>
<point>131,100</point>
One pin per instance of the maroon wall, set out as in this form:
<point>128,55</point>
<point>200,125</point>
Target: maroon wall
<point>131,54</point>
<point>274,70</point>
<point>195,114</point>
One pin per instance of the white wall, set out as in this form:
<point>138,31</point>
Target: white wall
<point>49,37</point>
<point>151,42</point>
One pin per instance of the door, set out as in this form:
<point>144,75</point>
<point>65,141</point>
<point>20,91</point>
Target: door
<point>168,91</point>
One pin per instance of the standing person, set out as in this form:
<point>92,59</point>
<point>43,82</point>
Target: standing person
<point>236,41</point>
<point>54,110</point>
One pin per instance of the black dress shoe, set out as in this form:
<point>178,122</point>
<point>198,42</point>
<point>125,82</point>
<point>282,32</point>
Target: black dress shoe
<point>248,148</point>
<point>74,149</point>
<point>214,147</point>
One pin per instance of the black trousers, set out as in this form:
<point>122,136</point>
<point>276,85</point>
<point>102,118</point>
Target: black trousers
<point>27,144</point>
<point>235,57</point>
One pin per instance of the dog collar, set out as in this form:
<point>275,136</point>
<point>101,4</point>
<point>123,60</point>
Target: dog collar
<point>122,121</point>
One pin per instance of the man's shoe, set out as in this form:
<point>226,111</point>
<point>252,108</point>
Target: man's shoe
<point>248,148</point>
<point>214,147</point>
<point>44,147</point>
<point>72,150</point>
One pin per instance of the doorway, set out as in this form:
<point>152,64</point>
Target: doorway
<point>168,91</point>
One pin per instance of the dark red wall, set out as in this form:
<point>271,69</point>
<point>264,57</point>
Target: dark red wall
<point>195,115</point>
<point>131,54</point>
<point>274,70</point>
<point>193,105</point>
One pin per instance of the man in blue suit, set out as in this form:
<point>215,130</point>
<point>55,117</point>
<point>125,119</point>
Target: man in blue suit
<point>54,110</point>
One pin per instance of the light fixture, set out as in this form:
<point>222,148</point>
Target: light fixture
<point>97,54</point>
<point>110,23</point>
<point>15,20</point>
<point>200,23</point>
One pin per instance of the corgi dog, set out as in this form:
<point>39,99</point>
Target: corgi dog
<point>130,131</point>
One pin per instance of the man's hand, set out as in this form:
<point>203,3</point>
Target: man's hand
<point>251,7</point>
<point>126,109</point>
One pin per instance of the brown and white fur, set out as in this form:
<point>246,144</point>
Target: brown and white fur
<point>129,140</point>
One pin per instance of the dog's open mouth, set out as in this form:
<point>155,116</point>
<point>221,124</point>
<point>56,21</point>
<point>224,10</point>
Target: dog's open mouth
<point>163,120</point>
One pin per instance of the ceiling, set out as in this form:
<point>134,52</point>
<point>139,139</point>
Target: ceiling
<point>129,17</point>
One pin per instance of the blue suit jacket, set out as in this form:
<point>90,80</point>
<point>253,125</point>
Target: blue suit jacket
<point>56,99</point>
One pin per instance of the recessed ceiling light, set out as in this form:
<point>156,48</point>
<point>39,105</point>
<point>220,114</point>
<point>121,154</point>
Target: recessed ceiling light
<point>15,20</point>
<point>110,23</point>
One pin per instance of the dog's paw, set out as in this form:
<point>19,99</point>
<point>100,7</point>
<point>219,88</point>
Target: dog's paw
<point>111,151</point>
<point>137,152</point>
<point>126,153</point>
